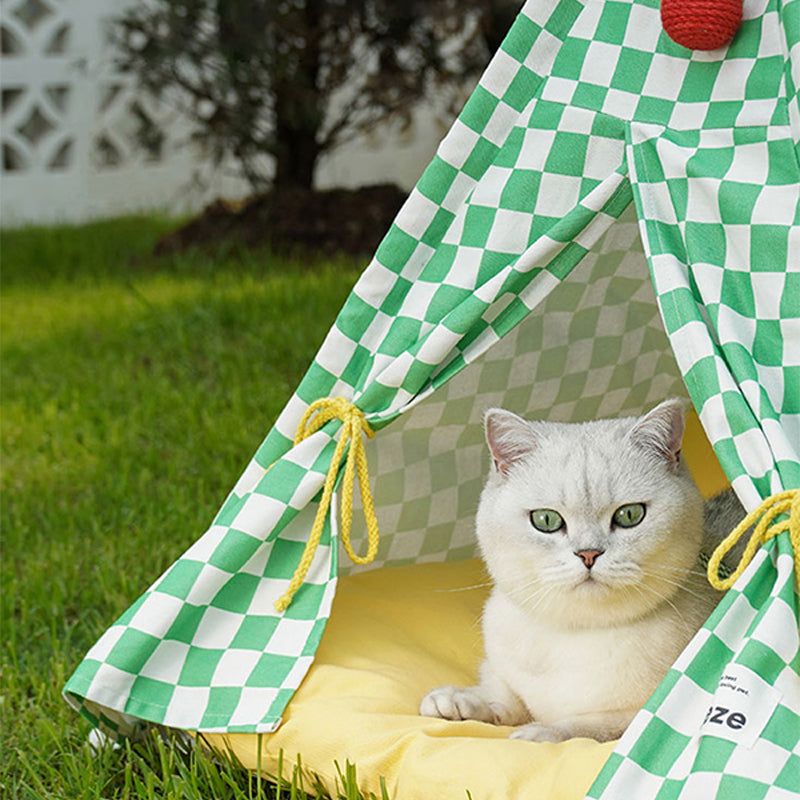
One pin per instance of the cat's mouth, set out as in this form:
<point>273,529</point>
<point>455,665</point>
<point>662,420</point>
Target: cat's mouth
<point>591,582</point>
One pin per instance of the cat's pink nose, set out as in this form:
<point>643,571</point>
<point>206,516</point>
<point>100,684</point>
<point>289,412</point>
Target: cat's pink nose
<point>589,556</point>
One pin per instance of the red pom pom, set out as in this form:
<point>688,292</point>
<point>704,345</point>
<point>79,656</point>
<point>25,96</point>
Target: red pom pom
<point>701,24</point>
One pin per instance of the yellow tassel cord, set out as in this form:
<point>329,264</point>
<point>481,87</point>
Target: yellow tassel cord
<point>782,503</point>
<point>353,425</point>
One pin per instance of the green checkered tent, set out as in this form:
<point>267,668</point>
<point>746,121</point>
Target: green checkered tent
<point>612,219</point>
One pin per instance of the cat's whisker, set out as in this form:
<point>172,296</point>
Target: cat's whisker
<point>642,589</point>
<point>538,587</point>
<point>622,575</point>
<point>539,597</point>
<point>543,578</point>
<point>680,584</point>
<point>548,570</point>
<point>542,598</point>
<point>642,586</point>
<point>475,586</point>
<point>682,571</point>
<point>631,573</point>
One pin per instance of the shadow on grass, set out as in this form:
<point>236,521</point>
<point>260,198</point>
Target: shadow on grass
<point>123,249</point>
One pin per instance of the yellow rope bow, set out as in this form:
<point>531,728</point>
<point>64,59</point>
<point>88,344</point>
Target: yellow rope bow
<point>782,503</point>
<point>353,424</point>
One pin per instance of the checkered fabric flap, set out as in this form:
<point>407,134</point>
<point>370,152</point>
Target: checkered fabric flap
<point>718,200</point>
<point>724,723</point>
<point>532,180</point>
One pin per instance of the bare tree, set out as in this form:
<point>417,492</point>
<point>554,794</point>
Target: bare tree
<point>280,82</point>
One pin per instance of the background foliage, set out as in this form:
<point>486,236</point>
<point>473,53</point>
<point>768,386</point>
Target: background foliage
<point>280,82</point>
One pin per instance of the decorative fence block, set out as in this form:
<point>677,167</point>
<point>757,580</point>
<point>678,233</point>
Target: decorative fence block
<point>71,123</point>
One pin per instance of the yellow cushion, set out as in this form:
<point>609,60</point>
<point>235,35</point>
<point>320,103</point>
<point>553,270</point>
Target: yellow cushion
<point>393,635</point>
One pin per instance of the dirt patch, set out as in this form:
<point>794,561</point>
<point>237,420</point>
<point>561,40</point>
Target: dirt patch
<point>352,221</point>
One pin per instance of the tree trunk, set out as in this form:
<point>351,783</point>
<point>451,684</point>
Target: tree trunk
<point>297,152</point>
<point>300,106</point>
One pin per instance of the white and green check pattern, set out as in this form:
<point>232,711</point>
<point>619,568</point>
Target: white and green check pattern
<point>596,162</point>
<point>669,753</point>
<point>720,230</point>
<point>428,467</point>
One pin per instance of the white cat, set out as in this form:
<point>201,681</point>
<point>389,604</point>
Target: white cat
<point>592,534</point>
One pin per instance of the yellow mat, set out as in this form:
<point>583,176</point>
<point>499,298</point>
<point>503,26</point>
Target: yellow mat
<point>393,635</point>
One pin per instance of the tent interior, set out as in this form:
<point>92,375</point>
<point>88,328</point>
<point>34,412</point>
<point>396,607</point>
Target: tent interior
<point>409,621</point>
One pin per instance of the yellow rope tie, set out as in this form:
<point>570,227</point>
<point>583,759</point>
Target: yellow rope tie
<point>781,503</point>
<point>353,425</point>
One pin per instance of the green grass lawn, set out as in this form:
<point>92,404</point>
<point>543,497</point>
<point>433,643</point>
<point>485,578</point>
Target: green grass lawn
<point>134,391</point>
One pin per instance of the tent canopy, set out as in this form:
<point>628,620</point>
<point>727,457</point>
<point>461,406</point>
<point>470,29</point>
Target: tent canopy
<point>610,218</point>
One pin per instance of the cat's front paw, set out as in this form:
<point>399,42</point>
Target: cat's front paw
<point>536,732</point>
<point>457,703</point>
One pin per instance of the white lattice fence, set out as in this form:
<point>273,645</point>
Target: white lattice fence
<point>70,119</point>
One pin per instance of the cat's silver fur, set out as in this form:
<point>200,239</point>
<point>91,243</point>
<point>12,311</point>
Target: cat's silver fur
<point>584,622</point>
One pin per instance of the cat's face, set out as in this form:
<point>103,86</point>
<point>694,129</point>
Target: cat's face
<point>589,524</point>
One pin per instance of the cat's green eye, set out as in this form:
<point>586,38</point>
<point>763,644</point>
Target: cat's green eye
<point>629,516</point>
<point>546,520</point>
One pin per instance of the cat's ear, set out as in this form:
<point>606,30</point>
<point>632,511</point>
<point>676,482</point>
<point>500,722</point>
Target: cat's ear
<point>510,438</point>
<point>661,431</point>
